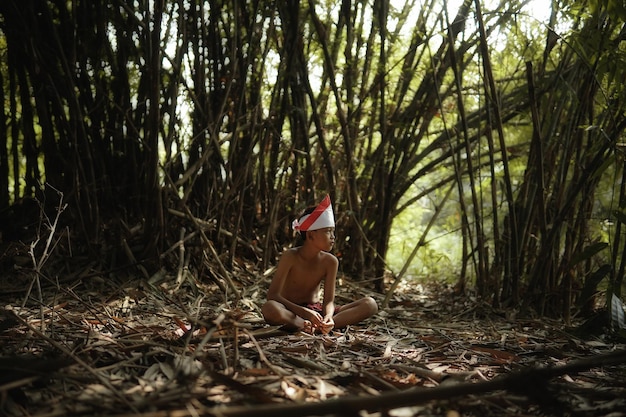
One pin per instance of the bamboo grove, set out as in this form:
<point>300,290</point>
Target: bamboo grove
<point>242,113</point>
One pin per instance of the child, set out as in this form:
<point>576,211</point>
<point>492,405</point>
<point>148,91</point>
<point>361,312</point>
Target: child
<point>292,298</point>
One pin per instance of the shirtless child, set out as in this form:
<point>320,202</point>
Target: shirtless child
<point>292,298</point>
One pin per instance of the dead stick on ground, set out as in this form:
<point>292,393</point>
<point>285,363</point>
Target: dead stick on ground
<point>180,277</point>
<point>518,381</point>
<point>102,378</point>
<point>277,370</point>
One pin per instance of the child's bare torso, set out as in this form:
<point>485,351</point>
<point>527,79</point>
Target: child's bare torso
<point>304,278</point>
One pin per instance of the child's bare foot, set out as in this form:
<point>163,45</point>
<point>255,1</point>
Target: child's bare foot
<point>300,325</point>
<point>307,327</point>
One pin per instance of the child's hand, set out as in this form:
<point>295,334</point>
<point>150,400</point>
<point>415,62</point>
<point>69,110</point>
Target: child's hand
<point>327,325</point>
<point>315,318</point>
<point>320,323</point>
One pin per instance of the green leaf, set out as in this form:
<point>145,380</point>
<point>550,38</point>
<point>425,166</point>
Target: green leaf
<point>591,283</point>
<point>588,252</point>
<point>607,163</point>
<point>617,10</point>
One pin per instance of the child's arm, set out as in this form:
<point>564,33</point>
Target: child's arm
<point>275,291</point>
<point>328,309</point>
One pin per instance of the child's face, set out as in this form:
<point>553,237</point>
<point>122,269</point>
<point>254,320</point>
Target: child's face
<point>325,238</point>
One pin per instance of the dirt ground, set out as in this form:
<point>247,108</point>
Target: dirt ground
<point>90,344</point>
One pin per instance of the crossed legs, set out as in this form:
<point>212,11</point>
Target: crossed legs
<point>277,314</point>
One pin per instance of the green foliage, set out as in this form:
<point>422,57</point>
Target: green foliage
<point>616,9</point>
<point>588,252</point>
<point>438,258</point>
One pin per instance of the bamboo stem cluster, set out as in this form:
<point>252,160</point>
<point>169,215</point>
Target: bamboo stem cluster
<point>243,113</point>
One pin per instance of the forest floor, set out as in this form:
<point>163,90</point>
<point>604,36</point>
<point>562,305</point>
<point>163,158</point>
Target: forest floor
<point>96,345</point>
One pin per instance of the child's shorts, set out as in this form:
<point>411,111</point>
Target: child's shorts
<point>317,307</point>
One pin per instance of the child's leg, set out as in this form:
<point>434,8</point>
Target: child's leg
<point>277,314</point>
<point>355,312</point>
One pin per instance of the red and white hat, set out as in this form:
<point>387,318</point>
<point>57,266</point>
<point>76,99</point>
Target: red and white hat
<point>320,218</point>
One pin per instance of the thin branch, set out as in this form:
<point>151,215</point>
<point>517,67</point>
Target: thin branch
<point>525,381</point>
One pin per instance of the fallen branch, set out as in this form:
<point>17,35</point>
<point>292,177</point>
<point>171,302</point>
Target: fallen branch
<point>522,381</point>
<point>102,378</point>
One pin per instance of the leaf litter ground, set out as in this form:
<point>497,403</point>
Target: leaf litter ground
<point>152,347</point>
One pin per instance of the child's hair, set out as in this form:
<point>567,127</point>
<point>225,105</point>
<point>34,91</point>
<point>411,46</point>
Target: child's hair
<point>301,234</point>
